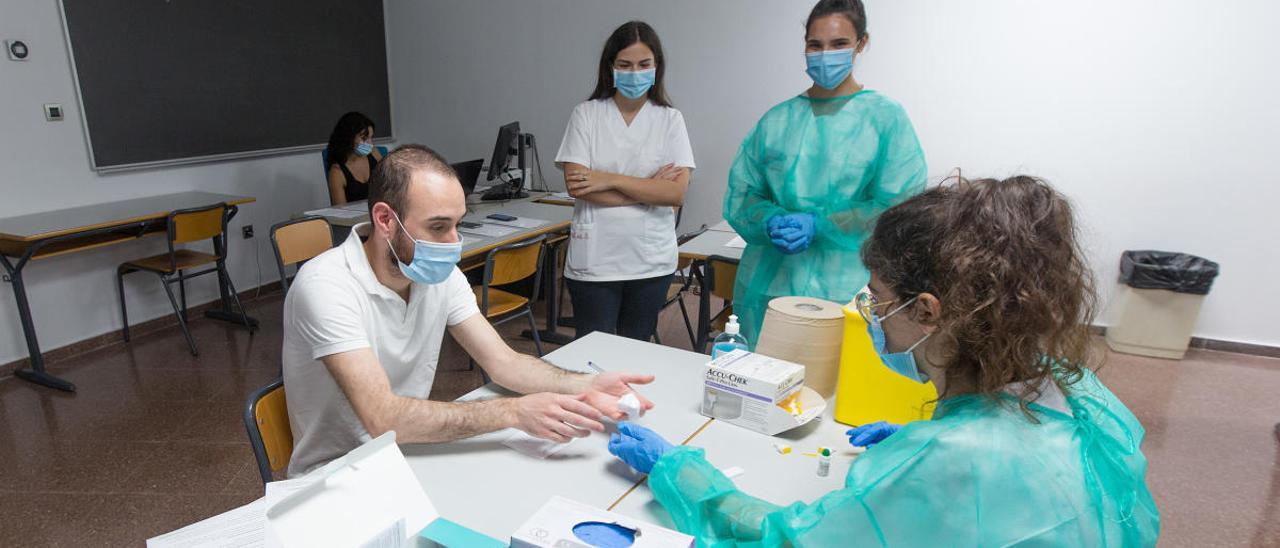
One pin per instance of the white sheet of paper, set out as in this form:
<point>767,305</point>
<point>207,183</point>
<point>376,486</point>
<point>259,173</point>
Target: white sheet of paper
<point>358,205</point>
<point>352,500</point>
<point>736,242</point>
<point>490,230</point>
<point>278,490</point>
<point>534,447</point>
<point>244,527</point>
<point>338,213</point>
<point>522,222</point>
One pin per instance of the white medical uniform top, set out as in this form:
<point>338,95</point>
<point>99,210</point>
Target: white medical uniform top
<point>335,305</point>
<point>627,242</point>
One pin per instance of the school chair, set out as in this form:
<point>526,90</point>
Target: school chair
<point>297,241</point>
<point>508,264</point>
<point>186,226</point>
<point>266,418</point>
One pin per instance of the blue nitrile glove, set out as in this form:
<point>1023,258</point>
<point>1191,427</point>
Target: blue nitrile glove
<point>638,446</point>
<point>775,223</point>
<point>795,233</point>
<point>868,435</point>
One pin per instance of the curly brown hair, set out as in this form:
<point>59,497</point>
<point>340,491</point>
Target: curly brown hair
<point>1004,260</point>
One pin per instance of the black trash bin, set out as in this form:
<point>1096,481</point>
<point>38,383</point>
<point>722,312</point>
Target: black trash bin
<point>1158,302</point>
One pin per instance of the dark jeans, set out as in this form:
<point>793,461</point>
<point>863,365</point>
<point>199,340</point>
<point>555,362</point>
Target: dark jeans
<point>629,308</point>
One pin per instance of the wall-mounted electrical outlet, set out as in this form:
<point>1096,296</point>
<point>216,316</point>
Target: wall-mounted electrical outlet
<point>247,230</point>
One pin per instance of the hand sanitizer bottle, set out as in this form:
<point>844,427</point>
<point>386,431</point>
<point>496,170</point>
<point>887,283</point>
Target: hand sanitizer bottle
<point>730,340</point>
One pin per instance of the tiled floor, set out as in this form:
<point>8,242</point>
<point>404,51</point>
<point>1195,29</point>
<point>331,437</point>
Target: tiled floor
<point>153,439</point>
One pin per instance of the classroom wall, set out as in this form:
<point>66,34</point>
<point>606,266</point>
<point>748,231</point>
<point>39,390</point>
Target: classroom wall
<point>1156,118</point>
<point>1153,116</point>
<point>45,166</point>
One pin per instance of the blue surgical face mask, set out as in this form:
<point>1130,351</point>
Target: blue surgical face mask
<point>829,68</point>
<point>902,363</point>
<point>364,148</point>
<point>432,262</point>
<point>633,85</point>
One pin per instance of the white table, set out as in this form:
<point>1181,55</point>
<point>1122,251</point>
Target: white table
<point>553,217</point>
<point>487,486</point>
<point>722,226</point>
<point>780,479</point>
<point>711,242</point>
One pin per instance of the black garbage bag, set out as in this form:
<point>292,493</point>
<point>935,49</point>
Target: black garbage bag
<point>1178,272</point>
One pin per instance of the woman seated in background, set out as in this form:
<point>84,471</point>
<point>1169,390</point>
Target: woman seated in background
<point>982,288</point>
<point>351,158</point>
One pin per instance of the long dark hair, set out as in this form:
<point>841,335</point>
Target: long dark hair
<point>1004,258</point>
<point>348,126</point>
<point>623,37</point>
<point>851,9</point>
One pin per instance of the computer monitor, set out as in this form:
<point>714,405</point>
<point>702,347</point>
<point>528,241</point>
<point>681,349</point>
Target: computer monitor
<point>468,174</point>
<point>502,149</point>
<point>510,142</point>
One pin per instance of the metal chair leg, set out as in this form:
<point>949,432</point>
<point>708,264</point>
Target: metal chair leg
<point>182,322</point>
<point>182,292</point>
<point>235,297</point>
<point>124,312</point>
<point>688,326</point>
<point>533,329</point>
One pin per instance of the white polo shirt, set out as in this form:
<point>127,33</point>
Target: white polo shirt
<point>628,242</point>
<point>336,305</point>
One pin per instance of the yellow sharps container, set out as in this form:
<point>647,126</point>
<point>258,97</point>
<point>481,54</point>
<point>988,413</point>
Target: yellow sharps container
<point>867,391</point>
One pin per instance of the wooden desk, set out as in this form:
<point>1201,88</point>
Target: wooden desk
<point>53,233</point>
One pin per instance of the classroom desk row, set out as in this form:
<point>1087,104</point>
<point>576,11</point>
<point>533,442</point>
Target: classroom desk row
<point>553,220</point>
<point>487,486</point>
<point>49,234</point>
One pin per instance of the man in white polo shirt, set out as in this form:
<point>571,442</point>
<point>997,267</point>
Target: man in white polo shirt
<point>363,324</point>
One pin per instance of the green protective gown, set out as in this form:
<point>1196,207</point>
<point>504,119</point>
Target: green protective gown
<point>845,160</point>
<point>980,473</point>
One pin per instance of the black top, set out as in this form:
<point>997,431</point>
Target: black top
<point>356,189</point>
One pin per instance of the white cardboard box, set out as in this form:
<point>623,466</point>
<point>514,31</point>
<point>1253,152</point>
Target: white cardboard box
<point>552,526</point>
<point>745,388</point>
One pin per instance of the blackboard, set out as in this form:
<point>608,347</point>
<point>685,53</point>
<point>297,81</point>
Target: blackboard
<point>181,81</point>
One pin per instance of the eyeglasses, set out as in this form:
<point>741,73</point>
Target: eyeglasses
<point>865,302</point>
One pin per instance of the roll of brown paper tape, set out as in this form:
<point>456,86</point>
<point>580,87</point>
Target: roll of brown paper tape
<point>806,331</point>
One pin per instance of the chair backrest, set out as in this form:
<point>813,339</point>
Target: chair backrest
<point>298,240</point>
<point>201,223</point>
<point>724,271</point>
<point>266,417</point>
<point>513,262</point>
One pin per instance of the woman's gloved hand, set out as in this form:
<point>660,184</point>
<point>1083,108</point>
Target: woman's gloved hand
<point>638,446</point>
<point>791,233</point>
<point>868,435</point>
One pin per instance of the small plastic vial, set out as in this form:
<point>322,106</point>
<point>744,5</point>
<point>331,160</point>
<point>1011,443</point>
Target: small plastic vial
<point>730,340</point>
<point>824,462</point>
